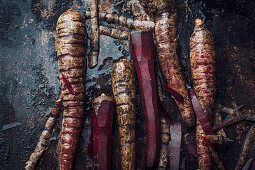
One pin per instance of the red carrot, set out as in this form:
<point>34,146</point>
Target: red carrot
<point>143,55</point>
<point>103,109</point>
<point>202,61</point>
<point>71,43</point>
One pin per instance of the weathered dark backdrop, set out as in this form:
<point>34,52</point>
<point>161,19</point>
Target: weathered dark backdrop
<point>29,83</point>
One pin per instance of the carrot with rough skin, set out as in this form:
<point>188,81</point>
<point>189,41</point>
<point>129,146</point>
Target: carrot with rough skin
<point>103,108</point>
<point>202,59</point>
<point>124,90</point>
<point>143,55</point>
<point>45,136</point>
<point>204,157</point>
<point>165,133</point>
<point>94,37</point>
<point>215,156</point>
<point>164,150</point>
<point>71,43</point>
<point>114,33</point>
<point>130,23</point>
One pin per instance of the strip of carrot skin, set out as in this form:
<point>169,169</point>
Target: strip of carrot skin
<point>68,85</point>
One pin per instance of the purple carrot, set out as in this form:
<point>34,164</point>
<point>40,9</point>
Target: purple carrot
<point>102,113</point>
<point>175,145</point>
<point>143,55</point>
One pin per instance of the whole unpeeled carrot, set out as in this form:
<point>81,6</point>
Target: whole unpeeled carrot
<point>45,136</point>
<point>202,59</point>
<point>71,43</point>
<point>124,90</point>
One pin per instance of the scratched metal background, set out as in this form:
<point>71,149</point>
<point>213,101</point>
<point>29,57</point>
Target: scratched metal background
<point>29,83</point>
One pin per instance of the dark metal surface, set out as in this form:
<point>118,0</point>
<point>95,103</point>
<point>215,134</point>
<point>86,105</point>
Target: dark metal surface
<point>29,83</point>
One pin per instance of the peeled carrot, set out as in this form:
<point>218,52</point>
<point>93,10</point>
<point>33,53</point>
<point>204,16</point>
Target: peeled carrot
<point>103,108</point>
<point>143,55</point>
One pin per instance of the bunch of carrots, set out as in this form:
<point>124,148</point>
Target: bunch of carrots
<point>71,46</point>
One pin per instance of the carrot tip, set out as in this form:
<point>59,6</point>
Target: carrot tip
<point>205,138</point>
<point>199,22</point>
<point>123,59</point>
